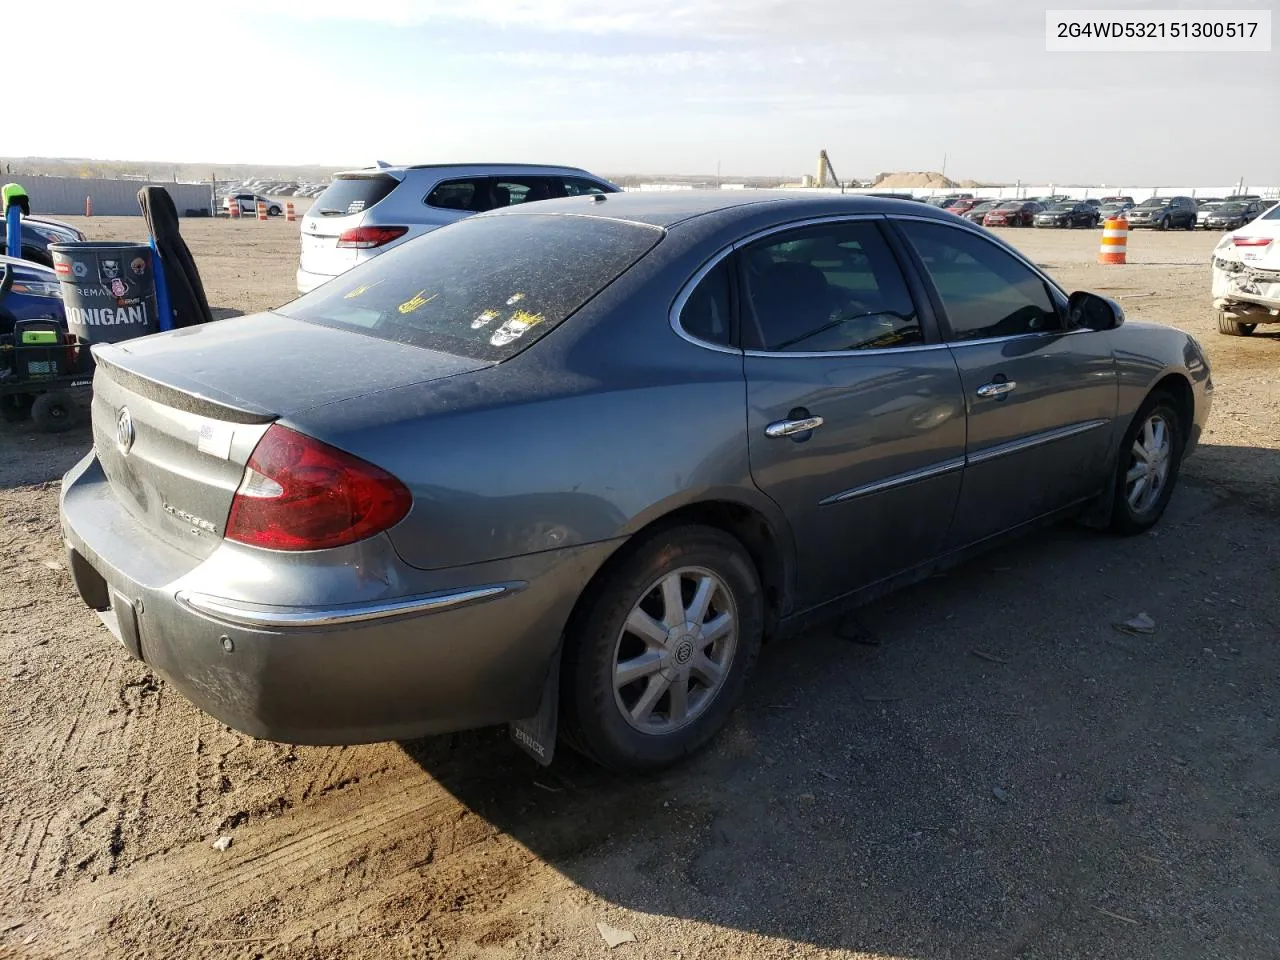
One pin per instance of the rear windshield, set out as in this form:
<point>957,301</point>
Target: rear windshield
<point>347,195</point>
<point>484,287</point>
<point>1011,205</point>
<point>1272,214</point>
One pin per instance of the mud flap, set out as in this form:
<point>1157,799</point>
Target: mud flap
<point>536,735</point>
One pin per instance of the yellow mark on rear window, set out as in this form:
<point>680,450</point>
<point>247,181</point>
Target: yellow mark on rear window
<point>514,299</point>
<point>525,319</point>
<point>484,319</point>
<point>515,327</point>
<point>416,301</point>
<point>357,291</point>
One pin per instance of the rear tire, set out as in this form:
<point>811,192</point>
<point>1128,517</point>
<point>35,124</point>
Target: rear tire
<point>623,724</point>
<point>1147,466</point>
<point>53,412</point>
<point>1234,328</point>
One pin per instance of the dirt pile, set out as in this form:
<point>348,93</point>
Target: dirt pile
<point>918,178</point>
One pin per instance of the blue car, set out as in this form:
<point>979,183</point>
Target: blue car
<point>37,234</point>
<point>37,364</point>
<point>34,295</point>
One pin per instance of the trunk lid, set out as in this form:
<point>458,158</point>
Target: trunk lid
<point>177,415</point>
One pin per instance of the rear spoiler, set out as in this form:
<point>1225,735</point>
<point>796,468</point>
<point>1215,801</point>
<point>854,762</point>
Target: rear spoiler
<point>180,393</point>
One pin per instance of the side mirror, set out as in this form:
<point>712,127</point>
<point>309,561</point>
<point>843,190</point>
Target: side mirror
<point>1092,312</point>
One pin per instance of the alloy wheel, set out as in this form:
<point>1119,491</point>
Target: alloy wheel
<point>675,650</point>
<point>1149,462</point>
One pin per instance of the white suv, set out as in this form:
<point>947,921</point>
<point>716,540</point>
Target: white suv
<point>364,212</point>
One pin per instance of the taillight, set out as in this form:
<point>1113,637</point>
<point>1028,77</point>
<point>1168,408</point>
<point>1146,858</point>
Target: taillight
<point>1251,241</point>
<point>301,494</point>
<point>362,238</point>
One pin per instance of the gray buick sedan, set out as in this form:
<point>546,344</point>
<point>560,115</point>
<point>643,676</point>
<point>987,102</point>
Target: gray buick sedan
<point>566,466</point>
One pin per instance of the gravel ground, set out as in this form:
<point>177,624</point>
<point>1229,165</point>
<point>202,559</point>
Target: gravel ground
<point>982,766</point>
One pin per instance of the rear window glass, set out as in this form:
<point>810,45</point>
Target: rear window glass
<point>1272,214</point>
<point>348,195</point>
<point>483,287</point>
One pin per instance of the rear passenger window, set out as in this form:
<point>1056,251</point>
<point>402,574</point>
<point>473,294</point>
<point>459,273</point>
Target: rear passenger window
<point>832,287</point>
<point>509,191</point>
<point>985,291</point>
<point>456,195</point>
<point>707,314</point>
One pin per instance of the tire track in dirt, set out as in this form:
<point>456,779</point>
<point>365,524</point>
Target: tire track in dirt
<point>342,856</point>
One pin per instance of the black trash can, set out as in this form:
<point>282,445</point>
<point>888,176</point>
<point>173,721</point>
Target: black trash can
<point>108,288</point>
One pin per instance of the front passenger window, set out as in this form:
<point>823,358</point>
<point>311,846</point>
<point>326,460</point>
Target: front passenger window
<point>985,292</point>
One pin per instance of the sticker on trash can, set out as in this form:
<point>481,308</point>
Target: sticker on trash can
<point>108,270</point>
<point>107,316</point>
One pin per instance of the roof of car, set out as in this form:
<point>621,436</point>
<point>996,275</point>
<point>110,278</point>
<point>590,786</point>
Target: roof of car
<point>462,167</point>
<point>666,208</point>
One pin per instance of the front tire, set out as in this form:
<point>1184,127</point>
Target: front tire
<point>273,211</point>
<point>1164,223</point>
<point>660,655</point>
<point>1147,467</point>
<point>1234,328</point>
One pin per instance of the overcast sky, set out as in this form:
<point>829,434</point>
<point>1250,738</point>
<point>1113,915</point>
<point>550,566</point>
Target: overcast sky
<point>619,86</point>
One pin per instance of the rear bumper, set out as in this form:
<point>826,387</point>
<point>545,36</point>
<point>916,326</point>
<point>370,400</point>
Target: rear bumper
<point>324,650</point>
<point>307,282</point>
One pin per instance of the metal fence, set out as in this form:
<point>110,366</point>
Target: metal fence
<point>65,196</point>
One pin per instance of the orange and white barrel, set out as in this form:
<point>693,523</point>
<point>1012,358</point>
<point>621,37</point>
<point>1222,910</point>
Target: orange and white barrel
<point>1115,237</point>
<point>233,208</point>
<point>88,206</point>
<point>262,210</point>
<point>289,215</point>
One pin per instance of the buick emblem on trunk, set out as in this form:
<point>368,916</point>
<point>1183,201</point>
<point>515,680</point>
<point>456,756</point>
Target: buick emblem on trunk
<point>124,430</point>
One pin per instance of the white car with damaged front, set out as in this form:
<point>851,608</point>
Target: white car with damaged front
<point>1246,275</point>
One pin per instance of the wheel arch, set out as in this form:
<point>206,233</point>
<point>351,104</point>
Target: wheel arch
<point>1178,387</point>
<point>766,539</point>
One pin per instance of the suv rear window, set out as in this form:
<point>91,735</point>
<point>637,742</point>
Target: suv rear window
<point>348,195</point>
<point>484,287</point>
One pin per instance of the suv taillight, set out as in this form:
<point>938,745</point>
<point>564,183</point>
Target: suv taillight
<point>363,238</point>
<point>301,494</point>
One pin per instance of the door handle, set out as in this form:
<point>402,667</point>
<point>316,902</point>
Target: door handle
<point>997,389</point>
<point>787,428</point>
